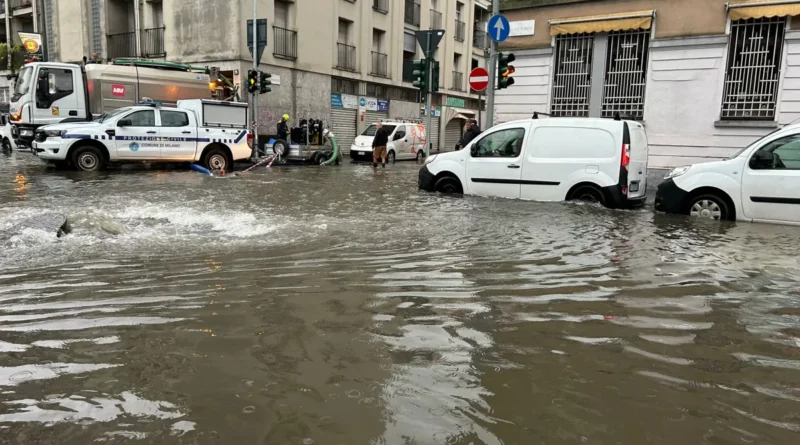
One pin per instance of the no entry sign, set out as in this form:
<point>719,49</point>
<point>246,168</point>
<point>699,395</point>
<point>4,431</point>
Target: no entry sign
<point>479,79</point>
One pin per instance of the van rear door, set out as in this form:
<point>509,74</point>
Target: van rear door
<point>637,169</point>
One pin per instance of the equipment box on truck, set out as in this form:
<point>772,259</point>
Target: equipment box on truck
<point>50,93</point>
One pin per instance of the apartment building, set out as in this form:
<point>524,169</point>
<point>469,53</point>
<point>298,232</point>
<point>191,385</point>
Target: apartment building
<point>347,62</point>
<point>706,77</point>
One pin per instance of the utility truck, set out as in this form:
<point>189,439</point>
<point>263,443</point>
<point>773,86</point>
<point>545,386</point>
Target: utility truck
<point>50,93</point>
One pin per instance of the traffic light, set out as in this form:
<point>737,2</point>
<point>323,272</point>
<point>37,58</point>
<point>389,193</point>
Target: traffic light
<point>265,83</point>
<point>504,70</point>
<point>435,73</point>
<point>421,74</point>
<point>252,81</point>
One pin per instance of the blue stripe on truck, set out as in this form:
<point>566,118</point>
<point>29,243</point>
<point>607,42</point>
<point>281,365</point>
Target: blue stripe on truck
<point>241,135</point>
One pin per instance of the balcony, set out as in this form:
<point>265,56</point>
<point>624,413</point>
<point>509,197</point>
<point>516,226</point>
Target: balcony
<point>381,6</point>
<point>380,64</point>
<point>436,19</point>
<point>480,40</point>
<point>345,57</point>
<point>461,31</point>
<point>412,11</point>
<point>122,45</point>
<point>458,81</point>
<point>285,45</point>
<point>153,42</point>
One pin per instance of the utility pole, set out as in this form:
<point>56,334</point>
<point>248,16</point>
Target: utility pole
<point>428,126</point>
<point>35,12</point>
<point>8,34</point>
<point>492,71</point>
<point>255,68</point>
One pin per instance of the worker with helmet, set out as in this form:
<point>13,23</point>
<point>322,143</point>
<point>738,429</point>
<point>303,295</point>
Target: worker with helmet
<point>283,128</point>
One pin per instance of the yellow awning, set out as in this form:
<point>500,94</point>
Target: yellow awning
<point>756,9</point>
<point>602,23</point>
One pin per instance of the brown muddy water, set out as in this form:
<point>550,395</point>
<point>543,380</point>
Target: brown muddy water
<point>341,306</point>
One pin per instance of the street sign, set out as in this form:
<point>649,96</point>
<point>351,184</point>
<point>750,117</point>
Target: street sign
<point>436,37</point>
<point>498,28</point>
<point>479,79</point>
<point>261,38</point>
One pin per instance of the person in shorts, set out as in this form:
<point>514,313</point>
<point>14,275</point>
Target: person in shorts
<point>379,143</point>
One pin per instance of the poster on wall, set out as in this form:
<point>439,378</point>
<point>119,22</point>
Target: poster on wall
<point>32,44</point>
<point>349,101</point>
<point>383,105</point>
<point>369,103</point>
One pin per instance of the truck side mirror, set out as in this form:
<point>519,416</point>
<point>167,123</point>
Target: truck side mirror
<point>124,123</point>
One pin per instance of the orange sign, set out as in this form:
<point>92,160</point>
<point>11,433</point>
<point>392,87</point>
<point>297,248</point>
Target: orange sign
<point>31,42</point>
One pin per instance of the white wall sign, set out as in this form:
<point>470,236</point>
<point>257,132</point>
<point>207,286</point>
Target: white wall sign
<point>369,103</point>
<point>522,28</point>
<point>350,102</point>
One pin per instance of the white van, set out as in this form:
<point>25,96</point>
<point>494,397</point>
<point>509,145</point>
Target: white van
<point>760,183</point>
<point>6,141</point>
<point>406,142</point>
<point>599,160</point>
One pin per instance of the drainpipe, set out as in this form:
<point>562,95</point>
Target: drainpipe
<point>35,11</point>
<point>137,28</point>
<point>8,35</point>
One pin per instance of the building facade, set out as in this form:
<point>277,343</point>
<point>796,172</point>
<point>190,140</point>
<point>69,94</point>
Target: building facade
<point>706,77</point>
<point>347,62</point>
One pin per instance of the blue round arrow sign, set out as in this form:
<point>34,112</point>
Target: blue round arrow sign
<point>498,28</point>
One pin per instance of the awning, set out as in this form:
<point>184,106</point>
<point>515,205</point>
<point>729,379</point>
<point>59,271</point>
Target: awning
<point>458,113</point>
<point>756,9</point>
<point>622,21</point>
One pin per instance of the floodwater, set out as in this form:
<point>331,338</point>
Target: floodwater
<point>340,305</point>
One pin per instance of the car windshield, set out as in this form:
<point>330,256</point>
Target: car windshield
<point>738,153</point>
<point>23,82</point>
<point>372,129</point>
<point>108,116</point>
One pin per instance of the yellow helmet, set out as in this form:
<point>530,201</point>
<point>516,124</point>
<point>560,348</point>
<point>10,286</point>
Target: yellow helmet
<point>286,117</point>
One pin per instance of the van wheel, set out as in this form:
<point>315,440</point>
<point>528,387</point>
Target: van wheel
<point>587,193</point>
<point>709,207</point>
<point>6,145</point>
<point>420,156</point>
<point>449,185</point>
<point>87,158</point>
<point>390,158</point>
<point>216,159</point>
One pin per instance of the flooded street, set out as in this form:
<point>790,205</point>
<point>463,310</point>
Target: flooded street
<point>341,306</point>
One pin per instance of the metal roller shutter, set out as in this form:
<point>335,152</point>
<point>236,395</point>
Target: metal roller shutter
<point>452,134</point>
<point>375,116</point>
<point>343,125</point>
<point>434,133</point>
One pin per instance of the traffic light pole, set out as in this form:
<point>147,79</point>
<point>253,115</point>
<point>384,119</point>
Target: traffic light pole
<point>428,127</point>
<point>254,155</point>
<point>492,72</point>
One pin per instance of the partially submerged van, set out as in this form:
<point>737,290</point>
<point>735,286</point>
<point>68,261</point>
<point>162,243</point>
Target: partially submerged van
<point>406,142</point>
<point>556,159</point>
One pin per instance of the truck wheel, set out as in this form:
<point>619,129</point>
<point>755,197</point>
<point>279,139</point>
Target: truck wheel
<point>280,148</point>
<point>709,206</point>
<point>216,159</point>
<point>448,185</point>
<point>87,158</point>
<point>420,156</point>
<point>6,145</point>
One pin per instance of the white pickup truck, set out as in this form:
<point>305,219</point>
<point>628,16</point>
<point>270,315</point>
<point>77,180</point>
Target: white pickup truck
<point>212,133</point>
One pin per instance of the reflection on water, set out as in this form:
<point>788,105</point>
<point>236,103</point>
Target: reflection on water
<point>339,305</point>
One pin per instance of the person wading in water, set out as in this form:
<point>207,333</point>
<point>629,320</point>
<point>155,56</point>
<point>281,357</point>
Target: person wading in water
<point>379,146</point>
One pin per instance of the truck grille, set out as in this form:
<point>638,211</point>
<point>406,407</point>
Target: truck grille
<point>40,136</point>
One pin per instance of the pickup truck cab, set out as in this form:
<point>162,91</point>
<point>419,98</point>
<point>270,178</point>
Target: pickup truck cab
<point>406,142</point>
<point>212,133</point>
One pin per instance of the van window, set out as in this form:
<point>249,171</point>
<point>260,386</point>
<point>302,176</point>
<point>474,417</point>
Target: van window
<point>573,143</point>
<point>500,144</point>
<point>370,131</point>
<point>786,153</point>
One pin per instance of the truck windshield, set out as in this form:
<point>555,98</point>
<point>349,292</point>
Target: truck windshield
<point>110,115</point>
<point>23,83</point>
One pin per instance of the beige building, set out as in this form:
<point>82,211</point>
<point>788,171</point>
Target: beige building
<point>346,62</point>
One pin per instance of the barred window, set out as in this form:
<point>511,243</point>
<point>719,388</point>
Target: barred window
<point>754,69</point>
<point>572,78</point>
<point>626,73</point>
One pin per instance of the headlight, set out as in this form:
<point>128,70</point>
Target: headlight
<point>430,159</point>
<point>677,172</point>
<point>53,133</point>
<point>26,132</point>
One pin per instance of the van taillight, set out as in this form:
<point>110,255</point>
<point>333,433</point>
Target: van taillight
<point>626,156</point>
<point>250,139</point>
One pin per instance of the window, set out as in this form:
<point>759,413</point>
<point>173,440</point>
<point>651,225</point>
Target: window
<point>500,144</point>
<point>782,154</point>
<point>572,78</point>
<point>344,31</point>
<point>60,82</point>
<point>144,118</point>
<point>754,69</point>
<point>401,133</point>
<point>626,73</point>
<point>174,119</point>
<point>282,14</point>
<point>474,63</point>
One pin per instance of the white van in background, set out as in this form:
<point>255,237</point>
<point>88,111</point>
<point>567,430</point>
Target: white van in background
<point>556,159</point>
<point>6,141</point>
<point>406,142</point>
